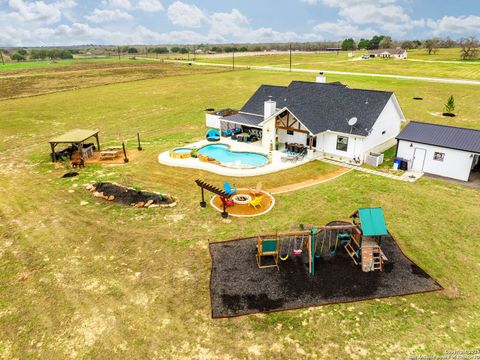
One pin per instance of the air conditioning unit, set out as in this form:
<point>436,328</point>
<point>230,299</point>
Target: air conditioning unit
<point>374,159</point>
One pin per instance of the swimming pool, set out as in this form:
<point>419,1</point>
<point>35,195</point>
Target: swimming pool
<point>233,159</point>
<point>180,153</point>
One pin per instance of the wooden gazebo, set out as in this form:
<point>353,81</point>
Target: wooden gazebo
<point>76,137</point>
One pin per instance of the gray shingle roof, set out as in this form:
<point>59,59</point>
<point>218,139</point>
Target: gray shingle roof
<point>322,107</point>
<point>245,119</point>
<point>442,135</point>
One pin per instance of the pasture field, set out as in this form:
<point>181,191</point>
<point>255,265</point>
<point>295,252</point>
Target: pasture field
<point>75,75</point>
<point>106,281</point>
<point>417,64</point>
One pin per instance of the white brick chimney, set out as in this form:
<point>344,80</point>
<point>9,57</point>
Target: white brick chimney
<point>270,107</point>
<point>321,78</point>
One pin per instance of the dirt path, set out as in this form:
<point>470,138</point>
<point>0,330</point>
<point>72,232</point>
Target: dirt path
<point>301,185</point>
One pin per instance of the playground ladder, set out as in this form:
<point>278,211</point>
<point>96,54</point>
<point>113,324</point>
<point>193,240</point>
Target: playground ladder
<point>377,260</point>
<point>351,252</point>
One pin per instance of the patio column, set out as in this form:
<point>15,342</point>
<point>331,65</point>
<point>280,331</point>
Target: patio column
<point>52,146</point>
<point>98,142</point>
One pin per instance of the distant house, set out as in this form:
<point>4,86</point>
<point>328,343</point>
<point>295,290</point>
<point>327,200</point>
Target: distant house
<point>441,150</point>
<point>397,53</point>
<point>327,118</point>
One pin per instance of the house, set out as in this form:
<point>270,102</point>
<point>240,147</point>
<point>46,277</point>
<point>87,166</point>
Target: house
<point>397,53</point>
<point>441,150</point>
<point>328,118</point>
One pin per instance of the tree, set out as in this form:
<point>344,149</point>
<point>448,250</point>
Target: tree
<point>431,45</point>
<point>469,48</point>
<point>17,57</point>
<point>449,107</point>
<point>183,51</point>
<point>132,50</point>
<point>386,43</point>
<point>243,49</point>
<point>407,45</point>
<point>175,50</point>
<point>363,44</point>
<point>159,50</point>
<point>22,52</point>
<point>348,44</point>
<point>374,42</point>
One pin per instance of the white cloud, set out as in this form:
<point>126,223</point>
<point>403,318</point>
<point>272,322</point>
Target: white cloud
<point>183,14</point>
<point>150,5</point>
<point>458,25</point>
<point>103,15</point>
<point>232,23</point>
<point>38,11</point>
<point>142,5</point>
<point>342,29</point>
<point>386,16</point>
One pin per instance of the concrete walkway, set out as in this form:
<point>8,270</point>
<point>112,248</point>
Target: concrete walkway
<point>409,176</point>
<point>316,71</point>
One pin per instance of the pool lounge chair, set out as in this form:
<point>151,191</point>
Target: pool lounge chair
<point>227,133</point>
<point>230,190</point>
<point>256,202</point>
<point>213,135</point>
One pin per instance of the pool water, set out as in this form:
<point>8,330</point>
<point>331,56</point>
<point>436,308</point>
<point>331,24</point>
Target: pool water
<point>234,159</point>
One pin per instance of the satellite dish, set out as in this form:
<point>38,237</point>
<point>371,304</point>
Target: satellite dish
<point>352,121</point>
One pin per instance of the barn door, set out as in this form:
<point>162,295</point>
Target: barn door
<point>418,159</point>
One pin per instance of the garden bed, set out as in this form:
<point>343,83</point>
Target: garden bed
<point>129,196</point>
<point>239,287</point>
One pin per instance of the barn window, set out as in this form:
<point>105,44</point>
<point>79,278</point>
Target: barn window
<point>438,156</point>
<point>289,132</point>
<point>342,143</point>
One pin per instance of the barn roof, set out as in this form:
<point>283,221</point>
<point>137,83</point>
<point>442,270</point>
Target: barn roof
<point>442,135</point>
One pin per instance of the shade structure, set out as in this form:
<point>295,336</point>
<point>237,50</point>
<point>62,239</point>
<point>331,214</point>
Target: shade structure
<point>373,222</point>
<point>74,136</point>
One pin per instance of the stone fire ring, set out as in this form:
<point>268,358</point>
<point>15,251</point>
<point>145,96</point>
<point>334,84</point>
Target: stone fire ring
<point>241,199</point>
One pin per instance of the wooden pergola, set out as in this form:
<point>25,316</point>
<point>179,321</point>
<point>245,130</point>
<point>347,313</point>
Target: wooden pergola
<point>76,137</point>
<point>289,122</point>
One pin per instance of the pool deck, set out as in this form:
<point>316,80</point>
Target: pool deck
<point>273,166</point>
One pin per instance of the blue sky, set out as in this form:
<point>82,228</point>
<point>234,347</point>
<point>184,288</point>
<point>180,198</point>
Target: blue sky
<point>74,22</point>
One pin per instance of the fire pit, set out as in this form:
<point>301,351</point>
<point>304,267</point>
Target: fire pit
<point>241,199</point>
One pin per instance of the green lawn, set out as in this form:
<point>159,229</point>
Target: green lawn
<point>104,281</point>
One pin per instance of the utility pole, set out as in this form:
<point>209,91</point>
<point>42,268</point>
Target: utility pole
<point>290,57</point>
<point>1,55</point>
<point>233,57</point>
<point>118,51</point>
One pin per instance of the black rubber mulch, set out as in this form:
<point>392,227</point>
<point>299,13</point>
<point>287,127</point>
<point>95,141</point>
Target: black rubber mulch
<point>239,287</point>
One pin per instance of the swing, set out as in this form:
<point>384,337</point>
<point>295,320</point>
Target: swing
<point>284,252</point>
<point>297,251</point>
<point>333,249</point>
<point>319,255</point>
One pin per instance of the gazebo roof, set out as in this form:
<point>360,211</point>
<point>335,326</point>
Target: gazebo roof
<point>74,136</point>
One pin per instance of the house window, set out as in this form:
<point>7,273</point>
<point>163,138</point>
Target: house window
<point>342,143</point>
<point>384,132</point>
<point>289,132</point>
<point>438,156</point>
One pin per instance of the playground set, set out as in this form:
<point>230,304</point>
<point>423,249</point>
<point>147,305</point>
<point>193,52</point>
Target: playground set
<point>360,239</point>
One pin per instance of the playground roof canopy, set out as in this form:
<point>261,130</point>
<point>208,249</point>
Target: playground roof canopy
<point>373,222</point>
<point>74,136</point>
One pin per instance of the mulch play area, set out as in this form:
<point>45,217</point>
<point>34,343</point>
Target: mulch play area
<point>239,287</point>
<point>245,210</point>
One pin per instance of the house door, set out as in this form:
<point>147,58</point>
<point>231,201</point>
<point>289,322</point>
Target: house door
<point>418,159</point>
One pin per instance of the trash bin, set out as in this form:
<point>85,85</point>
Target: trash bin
<point>396,164</point>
